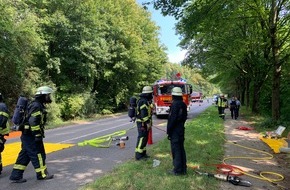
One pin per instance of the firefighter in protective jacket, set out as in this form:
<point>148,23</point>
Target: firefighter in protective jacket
<point>4,127</point>
<point>175,131</point>
<point>144,122</point>
<point>222,104</point>
<point>32,139</point>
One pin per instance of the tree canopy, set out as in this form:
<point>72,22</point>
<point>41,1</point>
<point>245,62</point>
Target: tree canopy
<point>242,45</point>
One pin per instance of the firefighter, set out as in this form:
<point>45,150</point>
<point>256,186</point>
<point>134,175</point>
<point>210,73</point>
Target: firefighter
<point>222,104</point>
<point>175,131</point>
<point>144,122</point>
<point>4,127</point>
<point>32,139</point>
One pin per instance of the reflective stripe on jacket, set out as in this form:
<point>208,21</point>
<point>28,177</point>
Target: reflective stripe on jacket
<point>143,111</point>
<point>4,124</point>
<point>222,102</point>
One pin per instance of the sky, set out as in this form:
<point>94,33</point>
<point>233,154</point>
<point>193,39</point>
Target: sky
<point>167,34</point>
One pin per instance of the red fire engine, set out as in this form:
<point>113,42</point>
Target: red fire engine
<point>162,95</point>
<point>196,97</point>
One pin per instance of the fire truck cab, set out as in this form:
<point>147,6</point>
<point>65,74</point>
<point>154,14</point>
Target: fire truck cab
<point>162,98</point>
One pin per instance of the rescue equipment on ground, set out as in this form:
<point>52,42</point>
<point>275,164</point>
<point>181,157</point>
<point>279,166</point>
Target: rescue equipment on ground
<point>271,177</point>
<point>275,134</point>
<point>121,140</point>
<point>235,180</point>
<point>19,114</point>
<point>106,140</point>
<point>244,128</point>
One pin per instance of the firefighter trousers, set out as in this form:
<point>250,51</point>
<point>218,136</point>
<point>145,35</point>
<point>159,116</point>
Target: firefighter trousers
<point>30,151</point>
<point>142,139</point>
<point>221,112</point>
<point>178,154</point>
<point>1,166</point>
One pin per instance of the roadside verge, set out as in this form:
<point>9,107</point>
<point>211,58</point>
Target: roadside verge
<point>245,150</point>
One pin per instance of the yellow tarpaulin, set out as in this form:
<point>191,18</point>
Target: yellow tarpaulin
<point>9,155</point>
<point>274,144</point>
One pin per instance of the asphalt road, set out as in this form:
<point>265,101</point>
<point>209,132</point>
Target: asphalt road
<point>78,165</point>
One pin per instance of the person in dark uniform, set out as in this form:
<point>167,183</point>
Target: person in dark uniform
<point>4,127</point>
<point>32,148</point>
<point>175,131</point>
<point>144,122</point>
<point>222,104</point>
<point>233,108</point>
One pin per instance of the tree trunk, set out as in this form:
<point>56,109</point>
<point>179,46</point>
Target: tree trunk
<point>248,92</point>
<point>256,96</point>
<point>277,65</point>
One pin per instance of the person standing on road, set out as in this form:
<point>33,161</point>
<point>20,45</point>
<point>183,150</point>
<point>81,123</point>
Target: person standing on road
<point>32,148</point>
<point>222,104</point>
<point>175,131</point>
<point>233,107</point>
<point>144,122</point>
<point>4,127</point>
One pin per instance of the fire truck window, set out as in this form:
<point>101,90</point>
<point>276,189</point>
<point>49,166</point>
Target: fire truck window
<point>183,89</point>
<point>163,90</point>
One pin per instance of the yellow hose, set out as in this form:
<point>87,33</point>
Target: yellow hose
<point>276,177</point>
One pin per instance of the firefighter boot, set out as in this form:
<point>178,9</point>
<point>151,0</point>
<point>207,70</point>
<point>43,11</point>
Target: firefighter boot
<point>46,177</point>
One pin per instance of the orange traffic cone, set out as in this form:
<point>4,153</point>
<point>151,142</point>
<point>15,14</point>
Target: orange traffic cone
<point>150,141</point>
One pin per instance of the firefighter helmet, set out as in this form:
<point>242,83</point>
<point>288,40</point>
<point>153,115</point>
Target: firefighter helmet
<point>176,91</point>
<point>44,90</point>
<point>147,90</point>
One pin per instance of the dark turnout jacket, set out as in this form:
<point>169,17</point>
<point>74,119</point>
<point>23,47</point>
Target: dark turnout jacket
<point>177,117</point>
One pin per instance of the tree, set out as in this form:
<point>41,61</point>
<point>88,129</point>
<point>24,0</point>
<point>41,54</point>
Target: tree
<point>19,42</point>
<point>252,35</point>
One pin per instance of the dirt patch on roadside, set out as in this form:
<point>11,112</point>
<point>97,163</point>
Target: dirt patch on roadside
<point>245,150</point>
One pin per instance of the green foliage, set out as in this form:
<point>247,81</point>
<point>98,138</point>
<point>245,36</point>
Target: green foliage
<point>263,124</point>
<point>106,112</point>
<point>77,105</point>
<point>107,49</point>
<point>54,114</point>
<point>243,44</point>
<point>192,75</point>
<point>19,42</point>
<point>204,141</point>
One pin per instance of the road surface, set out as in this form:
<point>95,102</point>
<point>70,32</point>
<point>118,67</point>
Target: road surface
<point>76,165</point>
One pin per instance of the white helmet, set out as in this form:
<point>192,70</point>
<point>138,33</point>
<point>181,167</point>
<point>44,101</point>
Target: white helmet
<point>176,91</point>
<point>44,90</point>
<point>147,90</point>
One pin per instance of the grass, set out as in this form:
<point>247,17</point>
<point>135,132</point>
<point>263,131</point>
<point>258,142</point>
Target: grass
<point>262,123</point>
<point>204,139</point>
